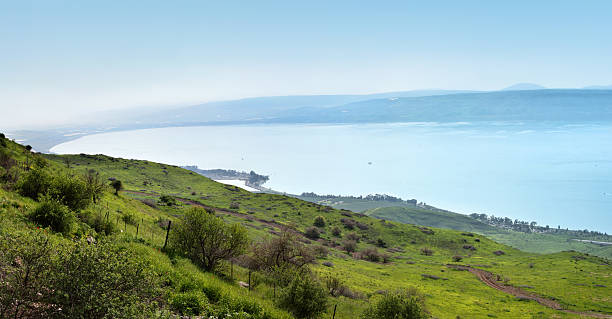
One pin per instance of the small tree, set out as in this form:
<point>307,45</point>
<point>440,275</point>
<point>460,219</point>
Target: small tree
<point>319,221</point>
<point>408,304</point>
<point>167,200</point>
<point>117,185</point>
<point>95,186</point>
<point>207,240</point>
<point>305,297</point>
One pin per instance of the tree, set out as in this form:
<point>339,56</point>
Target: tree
<point>117,185</point>
<point>305,297</point>
<point>52,213</point>
<point>281,252</point>
<point>207,240</point>
<point>95,186</point>
<point>408,304</point>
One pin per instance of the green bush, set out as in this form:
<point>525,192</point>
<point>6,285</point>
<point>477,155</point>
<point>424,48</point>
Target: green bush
<point>167,200</point>
<point>189,303</point>
<point>319,221</point>
<point>312,233</point>
<point>34,183</point>
<point>71,191</point>
<point>407,304</point>
<point>52,213</point>
<point>305,297</point>
<point>206,239</point>
<point>64,279</point>
<point>98,221</point>
<point>336,231</point>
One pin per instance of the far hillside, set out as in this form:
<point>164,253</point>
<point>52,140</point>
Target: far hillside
<point>534,241</point>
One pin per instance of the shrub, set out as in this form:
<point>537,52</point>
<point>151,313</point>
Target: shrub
<point>282,252</point>
<point>206,239</point>
<point>71,191</point>
<point>348,223</point>
<point>189,303</point>
<point>349,246</point>
<point>234,205</point>
<point>167,200</point>
<point>305,297</point>
<point>381,243</point>
<point>408,304</point>
<point>50,279</point>
<point>427,252</point>
<point>35,183</point>
<point>312,232</point>
<point>336,232</point>
<point>129,218</point>
<point>370,254</point>
<point>320,251</point>
<point>51,213</point>
<point>98,222</point>
<point>353,236</point>
<point>457,258</point>
<point>319,221</point>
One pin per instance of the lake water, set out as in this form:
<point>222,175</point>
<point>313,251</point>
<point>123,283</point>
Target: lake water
<point>552,174</point>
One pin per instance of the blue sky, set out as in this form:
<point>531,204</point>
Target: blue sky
<point>74,57</point>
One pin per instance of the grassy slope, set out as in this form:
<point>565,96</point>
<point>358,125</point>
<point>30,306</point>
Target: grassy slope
<point>538,243</point>
<point>462,295</point>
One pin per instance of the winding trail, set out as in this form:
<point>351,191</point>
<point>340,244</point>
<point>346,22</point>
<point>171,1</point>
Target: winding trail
<point>491,280</point>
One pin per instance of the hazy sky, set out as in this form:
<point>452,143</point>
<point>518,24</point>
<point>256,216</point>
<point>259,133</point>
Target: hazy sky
<point>60,59</point>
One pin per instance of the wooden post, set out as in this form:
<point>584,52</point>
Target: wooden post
<point>167,233</point>
<point>232,269</point>
<point>334,315</point>
<point>125,226</point>
<point>249,280</point>
<point>137,226</point>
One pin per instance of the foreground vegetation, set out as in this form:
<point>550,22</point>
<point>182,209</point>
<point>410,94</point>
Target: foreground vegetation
<point>284,257</point>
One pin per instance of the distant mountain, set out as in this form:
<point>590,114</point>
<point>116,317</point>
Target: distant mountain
<point>265,108</point>
<point>534,105</point>
<point>598,87</point>
<point>524,87</point>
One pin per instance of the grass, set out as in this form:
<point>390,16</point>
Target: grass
<point>530,242</point>
<point>576,284</point>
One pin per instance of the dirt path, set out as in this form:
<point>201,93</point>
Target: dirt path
<point>491,280</point>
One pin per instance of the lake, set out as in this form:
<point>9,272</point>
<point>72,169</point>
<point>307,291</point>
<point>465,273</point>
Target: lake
<point>550,173</point>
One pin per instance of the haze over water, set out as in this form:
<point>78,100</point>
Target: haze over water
<point>552,174</point>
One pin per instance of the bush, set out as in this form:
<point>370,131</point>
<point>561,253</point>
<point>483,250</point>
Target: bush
<point>336,232</point>
<point>381,243</point>
<point>35,183</point>
<point>234,205</point>
<point>312,232</point>
<point>129,218</point>
<point>167,200</point>
<point>427,252</point>
<point>408,304</point>
<point>206,239</point>
<point>189,303</point>
<point>457,258</point>
<point>350,246</point>
<point>319,221</point>
<point>305,297</point>
<point>98,222</point>
<point>71,191</point>
<point>117,185</point>
<point>65,279</point>
<point>51,213</point>
<point>353,236</point>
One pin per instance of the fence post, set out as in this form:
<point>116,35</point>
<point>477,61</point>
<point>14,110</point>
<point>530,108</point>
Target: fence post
<point>167,232</point>
<point>334,315</point>
<point>137,226</point>
<point>249,280</point>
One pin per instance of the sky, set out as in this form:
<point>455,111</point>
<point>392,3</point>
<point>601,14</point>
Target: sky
<point>62,60</point>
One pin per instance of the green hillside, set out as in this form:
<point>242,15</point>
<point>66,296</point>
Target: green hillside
<point>530,242</point>
<point>358,259</point>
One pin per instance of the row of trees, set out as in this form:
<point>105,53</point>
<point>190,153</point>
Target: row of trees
<point>530,227</point>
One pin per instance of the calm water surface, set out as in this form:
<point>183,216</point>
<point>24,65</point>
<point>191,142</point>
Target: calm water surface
<point>553,174</point>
